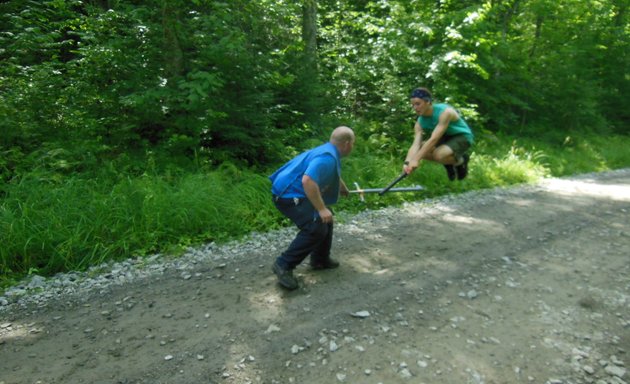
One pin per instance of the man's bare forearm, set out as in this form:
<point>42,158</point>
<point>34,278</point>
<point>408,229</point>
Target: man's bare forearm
<point>313,193</point>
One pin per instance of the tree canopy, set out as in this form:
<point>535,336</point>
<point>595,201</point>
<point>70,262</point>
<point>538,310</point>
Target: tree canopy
<point>87,82</point>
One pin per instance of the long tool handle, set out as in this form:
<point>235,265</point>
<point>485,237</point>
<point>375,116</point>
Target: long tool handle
<point>414,188</point>
<point>400,177</point>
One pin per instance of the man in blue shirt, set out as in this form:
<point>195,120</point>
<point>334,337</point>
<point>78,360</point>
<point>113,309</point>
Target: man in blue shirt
<point>303,189</point>
<point>449,137</point>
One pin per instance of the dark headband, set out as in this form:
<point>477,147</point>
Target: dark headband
<point>420,94</point>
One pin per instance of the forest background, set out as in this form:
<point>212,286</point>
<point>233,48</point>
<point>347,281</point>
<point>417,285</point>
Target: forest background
<point>130,128</point>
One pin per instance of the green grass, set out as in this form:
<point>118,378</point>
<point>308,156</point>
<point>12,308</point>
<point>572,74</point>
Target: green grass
<point>50,225</point>
<point>49,228</point>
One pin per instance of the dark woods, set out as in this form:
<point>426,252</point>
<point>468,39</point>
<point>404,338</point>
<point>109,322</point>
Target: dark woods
<point>198,83</point>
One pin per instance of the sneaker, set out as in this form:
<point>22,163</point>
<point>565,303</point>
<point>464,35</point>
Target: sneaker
<point>285,277</point>
<point>450,171</point>
<point>462,170</point>
<point>326,264</point>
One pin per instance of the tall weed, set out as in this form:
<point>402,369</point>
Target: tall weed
<point>47,228</point>
<point>48,224</point>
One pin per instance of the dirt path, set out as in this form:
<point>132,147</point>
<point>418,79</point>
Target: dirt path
<point>524,285</point>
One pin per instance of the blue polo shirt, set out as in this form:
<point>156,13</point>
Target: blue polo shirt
<point>322,164</point>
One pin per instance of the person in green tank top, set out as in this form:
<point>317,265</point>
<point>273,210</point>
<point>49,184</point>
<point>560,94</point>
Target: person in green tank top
<point>440,135</point>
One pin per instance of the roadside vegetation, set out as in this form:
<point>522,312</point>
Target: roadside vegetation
<point>77,222</point>
<point>133,128</point>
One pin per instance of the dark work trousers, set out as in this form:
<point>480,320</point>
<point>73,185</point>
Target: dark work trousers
<point>314,237</point>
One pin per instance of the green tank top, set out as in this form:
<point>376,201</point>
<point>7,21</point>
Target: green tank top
<point>459,127</point>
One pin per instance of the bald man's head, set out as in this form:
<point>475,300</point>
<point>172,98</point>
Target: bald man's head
<point>343,138</point>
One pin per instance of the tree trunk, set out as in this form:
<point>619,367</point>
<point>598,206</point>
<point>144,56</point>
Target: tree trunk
<point>174,56</point>
<point>507,17</point>
<point>309,33</point>
<point>309,78</point>
<point>539,23</point>
<point>103,4</point>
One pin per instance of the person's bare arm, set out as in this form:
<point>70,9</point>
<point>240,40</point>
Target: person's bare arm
<point>424,152</point>
<point>343,188</point>
<point>315,197</point>
<point>414,148</point>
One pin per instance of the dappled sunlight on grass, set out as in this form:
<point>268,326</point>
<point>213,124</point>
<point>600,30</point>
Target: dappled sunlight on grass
<point>505,171</point>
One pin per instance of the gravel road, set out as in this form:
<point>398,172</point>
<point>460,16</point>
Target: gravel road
<point>529,284</point>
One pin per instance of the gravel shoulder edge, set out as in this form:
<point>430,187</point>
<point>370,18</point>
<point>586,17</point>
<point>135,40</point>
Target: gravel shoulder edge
<point>38,291</point>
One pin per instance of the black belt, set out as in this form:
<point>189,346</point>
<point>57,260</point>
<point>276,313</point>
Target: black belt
<point>295,200</point>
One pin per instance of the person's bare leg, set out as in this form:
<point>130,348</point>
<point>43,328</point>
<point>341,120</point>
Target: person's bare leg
<point>445,156</point>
